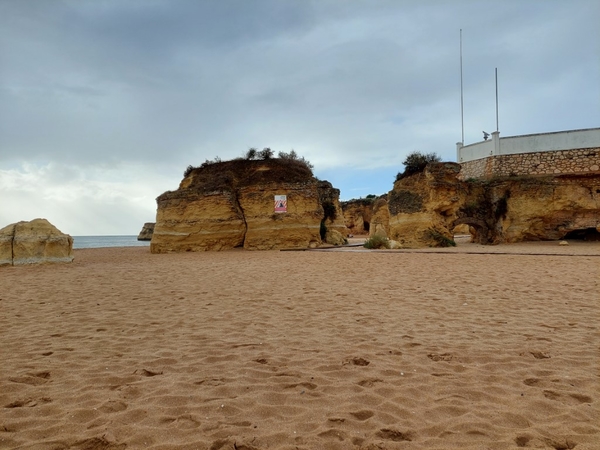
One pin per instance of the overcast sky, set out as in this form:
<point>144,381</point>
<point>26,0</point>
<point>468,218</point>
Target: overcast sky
<point>104,103</point>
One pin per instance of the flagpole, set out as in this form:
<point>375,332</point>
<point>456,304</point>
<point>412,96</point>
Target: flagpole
<point>462,120</point>
<point>497,99</point>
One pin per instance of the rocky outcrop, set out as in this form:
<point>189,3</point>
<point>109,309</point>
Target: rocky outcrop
<point>333,215</point>
<point>334,237</point>
<point>514,209</point>
<point>266,229</point>
<point>147,231</point>
<point>358,215</point>
<point>7,235</point>
<point>422,207</point>
<point>197,221</point>
<point>34,242</point>
<point>231,204</point>
<point>425,208</point>
<point>380,220</point>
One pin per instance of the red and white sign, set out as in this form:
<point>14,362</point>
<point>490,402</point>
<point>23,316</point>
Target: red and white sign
<point>280,203</point>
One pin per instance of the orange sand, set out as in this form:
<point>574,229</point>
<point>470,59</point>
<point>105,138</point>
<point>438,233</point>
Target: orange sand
<point>303,350</point>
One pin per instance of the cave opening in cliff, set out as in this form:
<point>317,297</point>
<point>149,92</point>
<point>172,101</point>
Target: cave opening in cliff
<point>583,234</point>
<point>366,225</point>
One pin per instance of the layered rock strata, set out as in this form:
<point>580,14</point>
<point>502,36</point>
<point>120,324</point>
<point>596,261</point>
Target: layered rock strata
<point>333,214</point>
<point>532,208</point>
<point>358,215</point>
<point>231,204</point>
<point>424,209</point>
<point>147,231</point>
<point>380,220</point>
<point>34,242</point>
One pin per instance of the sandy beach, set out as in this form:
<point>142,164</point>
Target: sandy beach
<point>465,348</point>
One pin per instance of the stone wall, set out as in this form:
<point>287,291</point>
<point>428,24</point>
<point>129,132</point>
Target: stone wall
<point>477,168</point>
<point>579,161</point>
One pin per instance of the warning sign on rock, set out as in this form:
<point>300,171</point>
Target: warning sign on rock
<point>280,203</point>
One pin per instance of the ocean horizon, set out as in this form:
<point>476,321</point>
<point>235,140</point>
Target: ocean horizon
<point>108,241</point>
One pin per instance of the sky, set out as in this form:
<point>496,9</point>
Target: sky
<point>104,103</point>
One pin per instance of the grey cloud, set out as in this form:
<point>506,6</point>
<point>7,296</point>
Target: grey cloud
<point>348,84</point>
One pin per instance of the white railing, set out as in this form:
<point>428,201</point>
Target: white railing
<point>529,143</point>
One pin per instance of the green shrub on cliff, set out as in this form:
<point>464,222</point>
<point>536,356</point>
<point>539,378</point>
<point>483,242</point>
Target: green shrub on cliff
<point>293,156</point>
<point>265,153</point>
<point>251,153</point>
<point>416,162</point>
<point>292,165</point>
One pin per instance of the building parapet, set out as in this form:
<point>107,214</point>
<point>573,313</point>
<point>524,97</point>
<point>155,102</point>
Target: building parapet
<point>529,143</point>
<point>574,151</point>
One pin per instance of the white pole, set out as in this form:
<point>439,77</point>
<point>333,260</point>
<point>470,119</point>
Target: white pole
<point>497,99</point>
<point>462,120</point>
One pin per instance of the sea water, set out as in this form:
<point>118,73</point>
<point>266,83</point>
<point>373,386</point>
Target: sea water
<point>108,241</point>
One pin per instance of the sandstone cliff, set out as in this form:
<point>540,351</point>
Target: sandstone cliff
<point>358,214</point>
<point>34,242</point>
<point>422,207</point>
<point>147,231</point>
<point>230,204</point>
<point>380,220</point>
<point>514,209</point>
<point>329,198</point>
<point>425,208</point>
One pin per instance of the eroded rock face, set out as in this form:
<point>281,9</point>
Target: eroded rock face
<point>332,208</point>
<point>358,214</point>
<point>34,242</point>
<point>197,221</point>
<point>231,204</point>
<point>6,245</point>
<point>380,220</point>
<point>422,207</point>
<point>266,229</point>
<point>334,237</point>
<point>147,231</point>
<point>532,208</point>
<point>425,208</point>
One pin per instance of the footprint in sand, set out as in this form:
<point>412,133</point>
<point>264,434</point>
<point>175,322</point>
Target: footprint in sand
<point>211,382</point>
<point>530,441</point>
<point>394,435</point>
<point>27,403</point>
<point>363,415</point>
<point>336,420</point>
<point>334,434</point>
<point>567,398</point>
<point>369,382</point>
<point>357,362</point>
<point>147,373</point>
<point>532,381</point>
<point>34,379</point>
<point>522,441</point>
<point>440,357</point>
<point>186,421</point>
<point>98,443</point>
<point>113,406</point>
<point>306,385</point>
